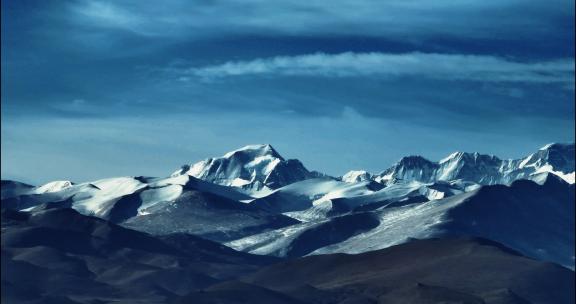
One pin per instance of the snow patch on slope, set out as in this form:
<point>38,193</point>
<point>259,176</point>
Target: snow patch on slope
<point>568,177</point>
<point>110,190</point>
<point>356,176</point>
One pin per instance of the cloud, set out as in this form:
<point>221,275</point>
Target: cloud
<point>384,65</point>
<point>107,14</point>
<point>348,17</point>
<point>193,30</point>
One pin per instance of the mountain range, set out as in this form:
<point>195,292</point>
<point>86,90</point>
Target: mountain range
<point>220,222</point>
<point>257,167</point>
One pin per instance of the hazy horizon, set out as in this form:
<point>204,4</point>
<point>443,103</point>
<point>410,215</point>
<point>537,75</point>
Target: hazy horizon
<point>311,168</point>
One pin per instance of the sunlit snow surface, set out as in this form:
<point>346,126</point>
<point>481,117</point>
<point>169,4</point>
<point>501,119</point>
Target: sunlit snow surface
<point>397,224</point>
<point>97,201</point>
<point>524,216</point>
<point>568,177</point>
<point>99,197</point>
<point>54,186</point>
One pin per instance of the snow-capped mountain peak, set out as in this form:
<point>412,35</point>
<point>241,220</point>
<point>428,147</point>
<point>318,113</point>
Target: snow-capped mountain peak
<point>253,167</point>
<point>254,151</point>
<point>559,156</point>
<point>484,169</point>
<point>412,167</point>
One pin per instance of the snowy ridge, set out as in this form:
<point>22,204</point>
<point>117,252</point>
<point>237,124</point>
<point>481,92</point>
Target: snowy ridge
<point>104,197</point>
<point>480,168</point>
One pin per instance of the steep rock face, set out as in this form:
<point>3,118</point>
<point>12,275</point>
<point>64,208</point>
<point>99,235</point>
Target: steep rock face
<point>254,167</point>
<point>556,158</point>
<point>415,168</point>
<point>559,156</point>
<point>483,169</point>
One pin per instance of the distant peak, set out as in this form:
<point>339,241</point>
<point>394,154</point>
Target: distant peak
<point>413,160</point>
<point>255,150</point>
<point>257,147</point>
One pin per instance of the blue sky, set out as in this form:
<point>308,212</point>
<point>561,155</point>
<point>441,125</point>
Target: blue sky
<point>93,89</point>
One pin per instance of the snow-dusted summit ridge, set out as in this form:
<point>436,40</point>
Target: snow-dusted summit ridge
<point>483,169</point>
<point>253,167</point>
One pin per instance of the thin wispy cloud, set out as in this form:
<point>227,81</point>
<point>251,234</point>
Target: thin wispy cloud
<point>435,66</point>
<point>315,17</point>
<point>101,13</point>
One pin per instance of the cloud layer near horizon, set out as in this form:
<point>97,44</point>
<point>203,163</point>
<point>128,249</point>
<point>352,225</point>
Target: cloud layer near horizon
<point>434,66</point>
<point>40,150</point>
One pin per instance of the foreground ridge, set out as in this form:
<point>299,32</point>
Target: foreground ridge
<point>60,256</point>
